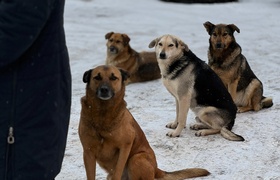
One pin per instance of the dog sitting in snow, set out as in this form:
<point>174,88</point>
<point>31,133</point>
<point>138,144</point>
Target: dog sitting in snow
<point>226,59</point>
<point>195,86</point>
<point>110,135</point>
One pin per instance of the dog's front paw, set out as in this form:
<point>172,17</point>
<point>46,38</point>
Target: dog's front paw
<point>173,134</point>
<point>172,125</point>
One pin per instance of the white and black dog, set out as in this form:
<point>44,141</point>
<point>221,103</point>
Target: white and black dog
<point>195,86</point>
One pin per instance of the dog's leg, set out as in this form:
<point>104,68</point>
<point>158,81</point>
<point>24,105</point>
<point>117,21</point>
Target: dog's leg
<point>244,109</point>
<point>174,124</point>
<point>257,98</point>
<point>88,150</point>
<point>184,105</point>
<point>140,166</point>
<point>206,132</point>
<point>211,120</point>
<point>90,164</point>
<point>232,89</point>
<point>199,125</point>
<point>123,156</point>
<point>203,130</point>
<point>252,97</point>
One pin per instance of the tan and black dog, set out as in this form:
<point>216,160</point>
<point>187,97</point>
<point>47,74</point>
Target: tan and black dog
<point>142,66</point>
<point>226,59</point>
<point>111,137</point>
<point>197,87</point>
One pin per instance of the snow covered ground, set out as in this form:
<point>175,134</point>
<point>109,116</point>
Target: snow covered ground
<point>87,22</point>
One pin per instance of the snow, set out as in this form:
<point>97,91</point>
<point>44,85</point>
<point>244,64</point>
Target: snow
<point>258,157</point>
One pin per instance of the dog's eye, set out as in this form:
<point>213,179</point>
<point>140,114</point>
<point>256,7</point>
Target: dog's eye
<point>118,41</point>
<point>225,34</point>
<point>214,34</point>
<point>170,45</point>
<point>111,40</point>
<point>159,44</point>
<point>98,77</point>
<point>113,77</point>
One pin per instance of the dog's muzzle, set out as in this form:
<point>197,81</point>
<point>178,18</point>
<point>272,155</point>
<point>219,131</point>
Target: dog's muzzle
<point>104,92</point>
<point>113,50</point>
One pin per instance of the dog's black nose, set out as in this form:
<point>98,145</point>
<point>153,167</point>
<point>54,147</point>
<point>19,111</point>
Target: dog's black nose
<point>162,55</point>
<point>104,92</point>
<point>113,49</point>
<point>219,45</point>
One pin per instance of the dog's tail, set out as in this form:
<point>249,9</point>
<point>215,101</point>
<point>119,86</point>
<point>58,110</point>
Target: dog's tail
<point>229,135</point>
<point>181,174</point>
<point>266,102</point>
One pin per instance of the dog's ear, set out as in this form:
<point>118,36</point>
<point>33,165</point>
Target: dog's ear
<point>108,35</point>
<point>125,74</point>
<point>126,39</point>
<point>233,27</point>
<point>183,45</point>
<point>209,27</point>
<point>87,75</point>
<point>153,43</point>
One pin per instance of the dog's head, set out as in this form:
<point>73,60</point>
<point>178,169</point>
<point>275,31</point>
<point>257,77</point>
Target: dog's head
<point>221,35</point>
<point>168,47</point>
<point>105,81</point>
<point>116,42</point>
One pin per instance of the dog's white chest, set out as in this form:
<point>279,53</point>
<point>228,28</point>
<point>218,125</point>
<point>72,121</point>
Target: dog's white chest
<point>170,85</point>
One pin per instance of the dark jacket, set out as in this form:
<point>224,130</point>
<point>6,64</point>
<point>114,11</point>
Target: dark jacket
<point>35,89</point>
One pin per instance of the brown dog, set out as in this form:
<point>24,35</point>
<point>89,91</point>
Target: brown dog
<point>110,135</point>
<point>226,59</point>
<point>141,66</point>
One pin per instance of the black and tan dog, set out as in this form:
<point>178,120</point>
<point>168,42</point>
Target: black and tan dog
<point>197,87</point>
<point>226,59</point>
<point>141,66</point>
<point>110,135</point>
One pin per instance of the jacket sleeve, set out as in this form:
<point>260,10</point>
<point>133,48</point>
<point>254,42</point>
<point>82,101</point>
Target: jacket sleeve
<point>20,23</point>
